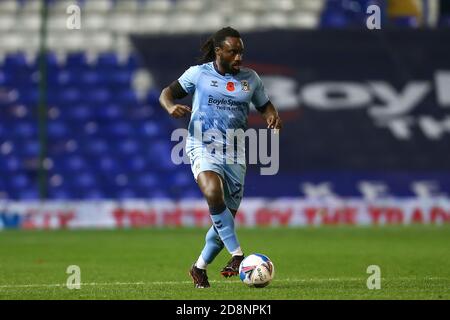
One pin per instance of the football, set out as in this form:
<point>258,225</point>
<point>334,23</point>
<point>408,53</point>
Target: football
<point>256,270</point>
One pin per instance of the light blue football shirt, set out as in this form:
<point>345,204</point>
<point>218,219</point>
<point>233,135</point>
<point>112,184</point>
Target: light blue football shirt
<point>220,102</point>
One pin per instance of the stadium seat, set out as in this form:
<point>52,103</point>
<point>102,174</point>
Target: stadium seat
<point>126,98</point>
<point>69,96</point>
<point>119,129</point>
<point>97,97</point>
<point>15,61</point>
<point>60,194</point>
<point>28,148</point>
<point>77,60</point>
<point>107,60</point>
<point>135,163</point>
<point>150,129</point>
<point>118,79</point>
<point>334,19</point>
<point>127,147</point>
<point>19,181</point>
<point>107,112</point>
<point>83,180</point>
<point>77,112</point>
<point>25,130</point>
<point>11,163</point>
<point>147,180</point>
<point>95,146</point>
<point>28,194</point>
<point>90,79</point>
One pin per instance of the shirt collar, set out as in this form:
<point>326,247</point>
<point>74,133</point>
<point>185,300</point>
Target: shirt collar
<point>223,74</point>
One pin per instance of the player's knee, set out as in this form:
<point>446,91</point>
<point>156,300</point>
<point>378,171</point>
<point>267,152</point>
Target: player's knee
<point>213,195</point>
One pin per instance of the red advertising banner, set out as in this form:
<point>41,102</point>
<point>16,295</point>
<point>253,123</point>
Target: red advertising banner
<point>253,212</point>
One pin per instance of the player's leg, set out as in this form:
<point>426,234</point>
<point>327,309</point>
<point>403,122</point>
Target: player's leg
<point>213,246</point>
<point>233,192</point>
<point>211,185</point>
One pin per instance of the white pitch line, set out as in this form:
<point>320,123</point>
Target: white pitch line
<point>63,285</point>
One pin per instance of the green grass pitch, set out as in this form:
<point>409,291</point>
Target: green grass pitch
<point>310,263</point>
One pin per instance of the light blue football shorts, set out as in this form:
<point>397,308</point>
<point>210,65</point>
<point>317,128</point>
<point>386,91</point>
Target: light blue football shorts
<point>233,175</point>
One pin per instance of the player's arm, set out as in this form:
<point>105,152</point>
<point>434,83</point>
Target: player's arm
<point>167,100</point>
<point>270,114</point>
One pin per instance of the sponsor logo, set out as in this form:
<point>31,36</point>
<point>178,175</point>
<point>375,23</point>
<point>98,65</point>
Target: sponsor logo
<point>214,83</point>
<point>226,102</point>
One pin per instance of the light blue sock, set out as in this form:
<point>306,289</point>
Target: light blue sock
<point>224,223</point>
<point>212,247</point>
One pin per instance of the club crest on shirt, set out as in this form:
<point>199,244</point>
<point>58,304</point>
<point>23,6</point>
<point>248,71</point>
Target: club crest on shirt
<point>245,86</point>
<point>230,86</point>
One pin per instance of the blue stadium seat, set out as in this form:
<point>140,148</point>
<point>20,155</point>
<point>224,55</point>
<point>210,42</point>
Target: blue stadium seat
<point>57,129</point>
<point>77,112</point>
<point>150,129</point>
<point>136,163</point>
<point>12,163</point>
<point>126,193</point>
<point>95,146</point>
<point>119,79</point>
<point>107,60</point>
<point>63,78</point>
<point>97,96</point>
<point>69,96</point>
<point>191,193</point>
<point>77,60</point>
<point>109,111</point>
<point>25,129</point>
<point>28,194</point>
<point>83,180</point>
<point>153,97</point>
<point>157,193</point>
<point>60,194</point>
<point>93,194</point>
<point>28,95</point>
<point>27,148</point>
<point>132,62</point>
<point>74,163</point>
<point>120,129</point>
<point>147,180</point>
<point>182,179</point>
<point>126,97</point>
<point>107,164</point>
<point>19,181</point>
<point>334,19</point>
<point>127,147</point>
<point>90,78</point>
<point>15,62</point>
<point>4,79</point>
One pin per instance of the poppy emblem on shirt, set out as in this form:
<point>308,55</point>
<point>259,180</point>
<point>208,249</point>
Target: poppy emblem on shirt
<point>230,86</point>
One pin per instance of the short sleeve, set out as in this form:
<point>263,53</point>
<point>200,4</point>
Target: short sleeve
<point>188,79</point>
<point>260,98</point>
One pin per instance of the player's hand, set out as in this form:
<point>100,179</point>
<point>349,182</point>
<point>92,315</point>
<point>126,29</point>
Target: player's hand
<point>274,122</point>
<point>179,110</point>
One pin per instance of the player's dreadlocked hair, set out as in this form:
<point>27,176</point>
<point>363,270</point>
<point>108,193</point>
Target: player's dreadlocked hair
<point>216,40</point>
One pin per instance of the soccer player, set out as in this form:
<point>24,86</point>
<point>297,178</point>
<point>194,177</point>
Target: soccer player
<point>222,91</point>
